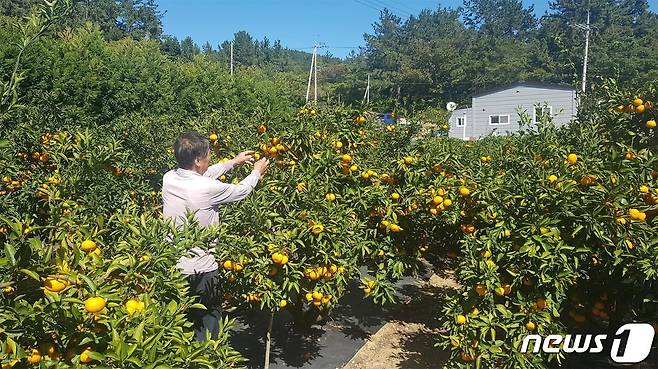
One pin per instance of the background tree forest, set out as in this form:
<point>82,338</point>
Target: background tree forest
<point>425,60</point>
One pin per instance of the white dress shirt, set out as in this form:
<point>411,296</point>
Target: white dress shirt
<point>184,190</point>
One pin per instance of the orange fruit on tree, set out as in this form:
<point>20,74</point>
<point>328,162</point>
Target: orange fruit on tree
<point>88,245</point>
<point>637,102</point>
<point>317,229</point>
<point>55,284</point>
<point>460,319</point>
<point>213,137</point>
<point>651,124</point>
<point>261,128</point>
<point>35,357</point>
<point>95,304</point>
<point>572,159</point>
<point>84,356</point>
<point>541,303</point>
<point>134,306</point>
<point>530,326</point>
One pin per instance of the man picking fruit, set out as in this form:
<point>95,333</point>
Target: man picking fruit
<point>193,187</point>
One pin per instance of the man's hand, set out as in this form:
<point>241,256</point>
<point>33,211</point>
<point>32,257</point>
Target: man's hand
<point>261,165</point>
<point>244,157</point>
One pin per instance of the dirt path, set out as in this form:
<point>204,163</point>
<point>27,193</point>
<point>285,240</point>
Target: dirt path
<point>407,341</point>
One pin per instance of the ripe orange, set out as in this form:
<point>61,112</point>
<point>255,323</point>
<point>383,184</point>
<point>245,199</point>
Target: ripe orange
<point>317,229</point>
<point>213,137</point>
<point>330,197</point>
<point>395,196</point>
<point>651,124</point>
<point>463,191</point>
<point>346,158</point>
<point>55,285</point>
<point>283,304</point>
<point>541,303</point>
<point>88,245</point>
<point>84,356</point>
<point>530,326</point>
<point>460,319</point>
<point>261,128</point>
<point>95,304</point>
<point>572,159</point>
<point>637,102</point>
<point>35,357</point>
<point>480,289</point>
<point>228,265</point>
<point>134,306</point>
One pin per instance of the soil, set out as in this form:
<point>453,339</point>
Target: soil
<point>407,341</point>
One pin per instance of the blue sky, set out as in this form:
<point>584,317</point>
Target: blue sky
<point>339,24</point>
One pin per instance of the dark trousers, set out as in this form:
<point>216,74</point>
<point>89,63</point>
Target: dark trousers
<point>204,286</point>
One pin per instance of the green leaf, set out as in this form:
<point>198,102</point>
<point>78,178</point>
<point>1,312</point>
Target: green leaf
<point>30,274</point>
<point>139,331</point>
<point>11,252</point>
<point>89,282</point>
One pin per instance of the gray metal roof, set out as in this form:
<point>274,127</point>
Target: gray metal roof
<point>546,85</point>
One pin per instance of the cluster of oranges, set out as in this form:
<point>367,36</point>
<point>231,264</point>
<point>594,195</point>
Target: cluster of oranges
<point>638,106</point>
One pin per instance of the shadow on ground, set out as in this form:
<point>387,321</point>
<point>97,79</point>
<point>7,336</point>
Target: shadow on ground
<point>352,323</point>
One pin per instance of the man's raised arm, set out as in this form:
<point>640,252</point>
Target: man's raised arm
<point>218,169</point>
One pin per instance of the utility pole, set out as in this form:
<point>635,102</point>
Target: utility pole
<point>366,96</point>
<point>588,29</point>
<point>231,58</point>
<point>310,74</point>
<point>586,52</point>
<point>313,74</point>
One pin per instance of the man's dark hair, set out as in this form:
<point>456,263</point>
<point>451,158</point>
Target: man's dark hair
<point>190,146</point>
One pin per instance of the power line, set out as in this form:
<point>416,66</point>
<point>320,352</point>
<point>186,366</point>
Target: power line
<point>375,7</point>
<point>390,7</point>
<point>367,5</point>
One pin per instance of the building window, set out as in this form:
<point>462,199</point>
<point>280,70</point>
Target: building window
<point>461,121</point>
<point>495,120</point>
<point>540,111</point>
